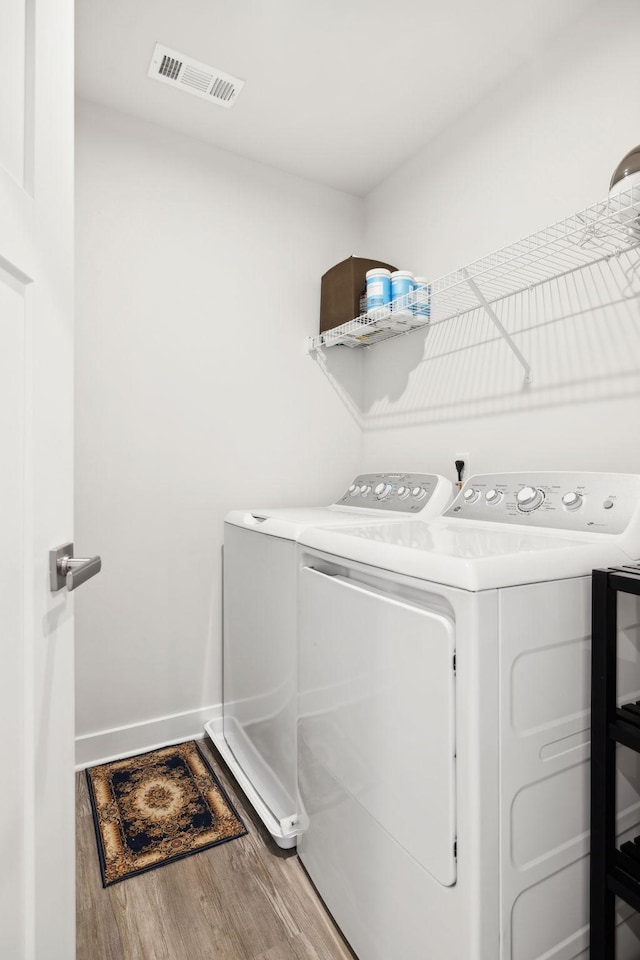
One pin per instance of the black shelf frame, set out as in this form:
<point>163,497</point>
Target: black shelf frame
<point>614,872</point>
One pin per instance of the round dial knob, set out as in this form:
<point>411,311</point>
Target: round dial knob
<point>354,490</point>
<point>365,490</point>
<point>470,495</point>
<point>403,493</point>
<point>383,490</point>
<point>418,493</point>
<point>493,496</point>
<point>572,500</point>
<point>529,498</point>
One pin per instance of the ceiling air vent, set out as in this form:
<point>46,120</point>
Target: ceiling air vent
<point>194,77</point>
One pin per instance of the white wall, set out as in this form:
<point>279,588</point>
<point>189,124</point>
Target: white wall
<point>198,280</point>
<point>541,147</point>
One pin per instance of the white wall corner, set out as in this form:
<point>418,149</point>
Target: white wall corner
<point>106,745</point>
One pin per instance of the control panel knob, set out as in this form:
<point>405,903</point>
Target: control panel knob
<point>403,493</point>
<point>354,490</point>
<point>418,493</point>
<point>493,496</point>
<point>383,490</point>
<point>529,498</point>
<point>470,495</point>
<point>572,500</point>
<point>365,490</point>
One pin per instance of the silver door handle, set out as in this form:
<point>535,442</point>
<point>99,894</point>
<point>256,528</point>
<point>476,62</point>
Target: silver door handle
<point>67,570</point>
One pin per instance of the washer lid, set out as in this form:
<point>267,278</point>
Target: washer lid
<point>288,523</point>
<point>401,495</point>
<point>461,554</point>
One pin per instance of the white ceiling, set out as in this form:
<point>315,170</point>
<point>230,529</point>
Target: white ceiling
<point>338,91</point>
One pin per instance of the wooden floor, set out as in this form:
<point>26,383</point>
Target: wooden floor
<point>243,900</point>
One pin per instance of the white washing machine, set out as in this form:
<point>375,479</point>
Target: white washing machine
<point>443,733</point>
<point>257,733</point>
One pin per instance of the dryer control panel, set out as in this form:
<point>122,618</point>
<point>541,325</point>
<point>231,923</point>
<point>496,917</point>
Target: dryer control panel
<point>391,492</point>
<point>589,502</point>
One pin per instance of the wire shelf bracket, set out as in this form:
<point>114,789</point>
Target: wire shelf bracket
<point>528,377</point>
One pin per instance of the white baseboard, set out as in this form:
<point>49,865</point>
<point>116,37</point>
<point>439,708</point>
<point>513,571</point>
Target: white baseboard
<point>126,741</point>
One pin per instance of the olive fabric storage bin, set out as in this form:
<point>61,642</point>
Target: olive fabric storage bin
<point>341,288</point>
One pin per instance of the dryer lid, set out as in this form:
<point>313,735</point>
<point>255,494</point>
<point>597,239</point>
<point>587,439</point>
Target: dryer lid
<point>466,556</point>
<point>507,529</point>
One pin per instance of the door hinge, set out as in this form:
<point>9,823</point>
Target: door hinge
<point>454,663</point>
<point>455,849</point>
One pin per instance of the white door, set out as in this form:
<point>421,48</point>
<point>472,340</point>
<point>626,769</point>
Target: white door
<point>376,762</point>
<point>377,713</point>
<point>36,506</point>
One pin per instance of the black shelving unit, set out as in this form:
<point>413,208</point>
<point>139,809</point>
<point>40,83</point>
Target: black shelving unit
<point>614,871</point>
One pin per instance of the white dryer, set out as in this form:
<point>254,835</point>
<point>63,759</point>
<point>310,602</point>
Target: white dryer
<point>257,733</point>
<point>443,733</point>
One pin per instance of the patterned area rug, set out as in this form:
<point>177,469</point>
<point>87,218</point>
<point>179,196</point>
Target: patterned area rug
<point>156,808</point>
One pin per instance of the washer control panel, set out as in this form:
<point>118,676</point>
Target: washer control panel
<point>591,502</point>
<point>390,492</point>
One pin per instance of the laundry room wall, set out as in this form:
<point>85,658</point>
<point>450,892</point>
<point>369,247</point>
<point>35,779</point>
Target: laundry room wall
<point>543,146</point>
<point>198,279</point>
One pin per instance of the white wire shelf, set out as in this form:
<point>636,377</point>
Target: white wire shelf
<point>604,230</point>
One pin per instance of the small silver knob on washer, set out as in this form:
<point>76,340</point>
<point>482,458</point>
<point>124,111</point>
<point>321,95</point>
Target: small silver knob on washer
<point>471,495</point>
<point>572,500</point>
